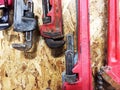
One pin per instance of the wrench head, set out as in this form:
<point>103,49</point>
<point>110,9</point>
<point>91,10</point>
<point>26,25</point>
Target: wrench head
<point>22,47</point>
<point>53,44</point>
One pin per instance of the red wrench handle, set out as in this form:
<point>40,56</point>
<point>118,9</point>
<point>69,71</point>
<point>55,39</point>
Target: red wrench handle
<point>83,67</point>
<point>112,69</point>
<point>3,2</point>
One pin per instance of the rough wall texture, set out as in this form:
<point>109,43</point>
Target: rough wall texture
<point>37,69</point>
<point>98,31</point>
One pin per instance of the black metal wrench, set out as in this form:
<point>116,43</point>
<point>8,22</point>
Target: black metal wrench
<point>25,22</point>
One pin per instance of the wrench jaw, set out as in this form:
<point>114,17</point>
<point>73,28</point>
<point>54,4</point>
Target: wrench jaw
<point>54,44</point>
<point>22,47</point>
<point>46,20</point>
<point>4,20</point>
<point>69,76</point>
<point>24,21</point>
<point>27,45</point>
<point>46,8</point>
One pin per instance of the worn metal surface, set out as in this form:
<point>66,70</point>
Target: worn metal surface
<point>52,28</point>
<point>24,21</point>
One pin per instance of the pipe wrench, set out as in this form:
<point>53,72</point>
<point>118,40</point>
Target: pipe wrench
<point>25,22</point>
<point>52,29</point>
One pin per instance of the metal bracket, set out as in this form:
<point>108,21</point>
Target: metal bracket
<point>24,21</point>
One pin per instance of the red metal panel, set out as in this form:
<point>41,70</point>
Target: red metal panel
<point>10,2</point>
<point>113,67</point>
<point>2,2</point>
<point>82,68</point>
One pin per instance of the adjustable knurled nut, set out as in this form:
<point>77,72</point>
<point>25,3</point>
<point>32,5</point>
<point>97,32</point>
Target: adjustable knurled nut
<point>70,78</point>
